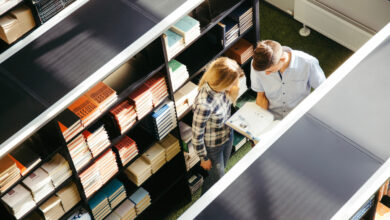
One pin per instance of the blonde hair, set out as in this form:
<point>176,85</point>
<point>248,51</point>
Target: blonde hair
<point>222,73</point>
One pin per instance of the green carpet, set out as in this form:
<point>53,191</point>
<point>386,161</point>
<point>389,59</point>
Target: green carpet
<point>279,26</point>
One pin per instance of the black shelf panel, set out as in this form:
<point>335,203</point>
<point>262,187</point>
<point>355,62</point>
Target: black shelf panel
<point>66,182</point>
<point>48,158</point>
<point>209,26</point>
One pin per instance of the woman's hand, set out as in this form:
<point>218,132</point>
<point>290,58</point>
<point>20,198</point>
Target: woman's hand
<point>206,164</point>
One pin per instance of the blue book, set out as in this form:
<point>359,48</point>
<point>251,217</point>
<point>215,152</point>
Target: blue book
<point>173,38</point>
<point>96,200</point>
<point>158,112</point>
<point>185,25</point>
<point>240,11</point>
<point>111,187</point>
<point>138,195</point>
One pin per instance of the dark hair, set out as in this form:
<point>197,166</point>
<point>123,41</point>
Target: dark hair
<point>266,54</point>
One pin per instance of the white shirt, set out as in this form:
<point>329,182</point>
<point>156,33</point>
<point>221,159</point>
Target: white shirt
<point>283,94</point>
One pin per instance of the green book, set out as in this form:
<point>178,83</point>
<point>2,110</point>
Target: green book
<point>173,38</point>
<point>185,25</point>
<point>174,65</point>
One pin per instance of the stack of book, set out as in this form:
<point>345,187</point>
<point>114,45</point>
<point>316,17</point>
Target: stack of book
<point>47,9</point>
<point>239,140</point>
<point>18,201</point>
<point>125,115</point>
<point>243,15</point>
<point>126,211</point>
<point>188,28</point>
<point>230,31</point>
<point>143,101</point>
<point>158,87</point>
<point>79,152</point>
<point>39,183</point>
<point>25,158</point>
<point>139,171</point>
<point>178,73</point>
<point>97,138</point>
<point>162,120</point>
<point>52,208</point>
<point>99,206</point>
<point>69,196</point>
<point>185,97</point>
<point>113,216</point>
<point>191,157</point>
<point>141,199</point>
<point>103,95</point>
<point>127,149</point>
<point>195,182</point>
<point>185,134</point>
<point>70,124</point>
<point>174,43</point>
<point>80,214</point>
<point>58,169</point>
<point>86,109</point>
<point>155,156</point>
<point>171,146</point>
<point>9,173</point>
<point>240,51</point>
<point>115,192</point>
<point>90,179</point>
<point>107,165</point>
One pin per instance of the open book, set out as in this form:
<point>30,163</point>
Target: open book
<point>252,121</point>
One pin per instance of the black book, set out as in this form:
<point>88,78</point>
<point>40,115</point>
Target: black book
<point>25,158</point>
<point>240,12</point>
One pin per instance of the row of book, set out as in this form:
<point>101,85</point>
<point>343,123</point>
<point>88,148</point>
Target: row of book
<point>153,159</point>
<point>140,102</point>
<point>181,34</point>
<point>235,24</point>
<point>126,149</point>
<point>161,121</point>
<point>64,200</point>
<point>46,9</point>
<point>107,199</point>
<point>85,110</point>
<point>40,183</point>
<point>19,162</point>
<point>185,97</point>
<point>103,168</point>
<point>88,145</point>
<point>133,206</point>
<point>178,73</point>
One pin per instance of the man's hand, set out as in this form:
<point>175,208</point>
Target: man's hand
<point>206,164</point>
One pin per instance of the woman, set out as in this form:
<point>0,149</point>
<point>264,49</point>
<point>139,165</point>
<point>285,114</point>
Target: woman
<point>212,139</point>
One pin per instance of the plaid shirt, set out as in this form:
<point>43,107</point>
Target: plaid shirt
<point>211,111</point>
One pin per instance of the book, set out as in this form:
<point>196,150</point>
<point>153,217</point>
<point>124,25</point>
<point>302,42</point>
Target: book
<point>252,121</point>
<point>69,123</point>
<point>25,158</point>
<point>102,94</point>
<point>188,28</point>
<point>86,109</point>
<point>9,173</point>
<point>173,42</point>
<point>240,51</point>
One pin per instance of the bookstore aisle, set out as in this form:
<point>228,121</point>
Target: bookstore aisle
<point>97,120</point>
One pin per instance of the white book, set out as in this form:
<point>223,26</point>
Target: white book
<point>252,121</point>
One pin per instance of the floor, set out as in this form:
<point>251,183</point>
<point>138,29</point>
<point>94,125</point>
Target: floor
<point>281,27</point>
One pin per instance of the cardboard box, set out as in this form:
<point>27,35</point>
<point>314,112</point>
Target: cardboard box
<point>16,23</point>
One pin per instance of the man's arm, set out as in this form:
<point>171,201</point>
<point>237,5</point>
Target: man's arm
<point>262,100</point>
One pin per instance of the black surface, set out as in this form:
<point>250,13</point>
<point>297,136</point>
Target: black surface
<point>156,10</point>
<point>308,173</point>
<point>17,108</point>
<point>71,51</point>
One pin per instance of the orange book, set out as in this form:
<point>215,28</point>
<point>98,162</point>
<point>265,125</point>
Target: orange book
<point>100,93</point>
<point>84,107</point>
<point>240,51</point>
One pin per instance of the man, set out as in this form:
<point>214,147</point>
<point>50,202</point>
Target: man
<point>283,77</point>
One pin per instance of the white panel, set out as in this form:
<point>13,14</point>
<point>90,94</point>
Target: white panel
<point>331,24</point>
<point>285,5</point>
<point>374,14</point>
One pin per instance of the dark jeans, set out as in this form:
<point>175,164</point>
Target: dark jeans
<point>219,157</point>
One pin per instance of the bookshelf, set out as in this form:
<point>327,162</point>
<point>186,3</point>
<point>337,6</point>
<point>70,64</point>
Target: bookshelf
<point>72,54</point>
